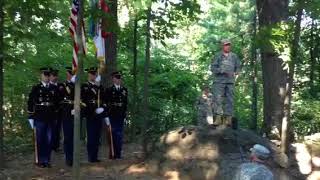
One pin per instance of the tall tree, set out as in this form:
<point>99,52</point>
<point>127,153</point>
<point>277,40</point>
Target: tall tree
<point>135,72</point>
<point>285,131</point>
<point>110,25</point>
<point>272,14</point>
<point>312,51</point>
<point>146,82</point>
<point>254,67</point>
<point>1,84</point>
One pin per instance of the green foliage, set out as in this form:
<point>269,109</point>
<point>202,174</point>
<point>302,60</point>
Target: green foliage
<point>184,41</point>
<point>306,117</point>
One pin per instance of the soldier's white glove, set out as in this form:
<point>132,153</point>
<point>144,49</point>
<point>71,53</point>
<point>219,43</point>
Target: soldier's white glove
<point>99,110</point>
<point>73,79</point>
<point>72,112</point>
<point>31,122</point>
<point>98,79</point>
<point>107,121</point>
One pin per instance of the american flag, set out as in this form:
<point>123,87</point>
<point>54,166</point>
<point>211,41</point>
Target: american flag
<point>72,29</point>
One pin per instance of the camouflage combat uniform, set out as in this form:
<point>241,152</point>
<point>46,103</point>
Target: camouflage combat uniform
<point>223,69</point>
<point>253,171</point>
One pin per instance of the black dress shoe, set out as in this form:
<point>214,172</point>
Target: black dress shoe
<point>69,163</point>
<point>94,161</point>
<point>40,165</point>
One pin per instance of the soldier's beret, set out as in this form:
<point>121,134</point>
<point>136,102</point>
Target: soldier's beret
<point>116,74</point>
<point>225,41</point>
<point>91,70</point>
<point>260,151</point>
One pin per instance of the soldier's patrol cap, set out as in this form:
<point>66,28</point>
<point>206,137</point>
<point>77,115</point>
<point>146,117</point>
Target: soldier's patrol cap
<point>260,151</point>
<point>45,71</point>
<point>54,72</point>
<point>116,74</point>
<point>92,70</point>
<point>225,42</point>
<point>69,70</point>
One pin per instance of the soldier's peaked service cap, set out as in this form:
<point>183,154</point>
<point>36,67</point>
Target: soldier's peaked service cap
<point>116,74</point>
<point>91,70</point>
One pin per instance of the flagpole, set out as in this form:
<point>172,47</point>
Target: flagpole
<point>77,100</point>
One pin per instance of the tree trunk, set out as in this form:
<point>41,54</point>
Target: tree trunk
<point>77,95</point>
<point>134,73</point>
<point>271,13</point>
<point>312,59</point>
<point>146,84</point>
<point>1,85</point>
<point>254,67</point>
<point>285,131</point>
<point>110,26</point>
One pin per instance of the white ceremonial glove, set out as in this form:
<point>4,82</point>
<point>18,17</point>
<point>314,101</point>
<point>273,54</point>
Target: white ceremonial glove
<point>73,79</point>
<point>72,112</point>
<point>98,79</point>
<point>107,121</point>
<point>99,110</point>
<point>31,122</point>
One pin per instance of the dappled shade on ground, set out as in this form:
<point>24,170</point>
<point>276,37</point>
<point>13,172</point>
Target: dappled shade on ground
<point>184,153</point>
<point>202,153</point>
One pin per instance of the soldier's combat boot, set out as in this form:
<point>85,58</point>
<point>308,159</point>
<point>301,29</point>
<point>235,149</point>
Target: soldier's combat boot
<point>228,121</point>
<point>217,120</point>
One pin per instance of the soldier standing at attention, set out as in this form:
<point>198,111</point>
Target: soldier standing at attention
<point>91,95</point>
<point>67,92</point>
<point>116,97</point>
<point>42,104</point>
<point>225,67</point>
<point>56,131</point>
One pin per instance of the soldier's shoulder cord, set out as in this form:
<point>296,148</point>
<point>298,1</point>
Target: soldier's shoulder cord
<point>85,85</point>
<point>38,85</point>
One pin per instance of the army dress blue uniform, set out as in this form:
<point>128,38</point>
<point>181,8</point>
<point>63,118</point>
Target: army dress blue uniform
<point>56,131</point>
<point>41,108</point>
<point>67,104</point>
<point>117,98</point>
<point>90,92</point>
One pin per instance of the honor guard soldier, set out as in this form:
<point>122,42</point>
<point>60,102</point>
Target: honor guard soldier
<point>116,97</point>
<point>67,91</point>
<point>41,108</point>
<point>91,94</point>
<point>56,131</point>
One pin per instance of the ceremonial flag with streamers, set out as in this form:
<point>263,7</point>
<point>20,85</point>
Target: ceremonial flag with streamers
<point>72,29</point>
<point>96,29</point>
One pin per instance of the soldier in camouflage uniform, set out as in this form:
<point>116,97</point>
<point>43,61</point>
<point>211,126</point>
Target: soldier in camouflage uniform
<point>204,108</point>
<point>255,170</point>
<point>225,67</point>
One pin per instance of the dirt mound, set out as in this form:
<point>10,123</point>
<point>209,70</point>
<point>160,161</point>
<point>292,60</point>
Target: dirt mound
<point>201,153</point>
